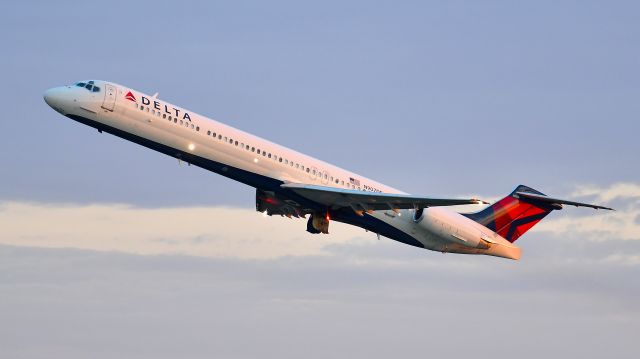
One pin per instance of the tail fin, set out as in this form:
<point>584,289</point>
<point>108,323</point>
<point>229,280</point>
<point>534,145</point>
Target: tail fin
<point>515,214</point>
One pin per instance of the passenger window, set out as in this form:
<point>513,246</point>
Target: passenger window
<point>236,143</point>
<point>164,115</point>
<point>253,149</point>
<point>141,108</point>
<point>214,134</point>
<point>175,120</point>
<point>181,123</point>
<point>269,155</point>
<point>286,162</point>
<point>264,154</point>
<point>258,151</point>
<point>198,128</point>
<point>208,133</point>
<point>280,159</point>
<point>307,169</point>
<point>219,137</point>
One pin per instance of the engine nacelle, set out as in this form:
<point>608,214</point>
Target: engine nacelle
<point>452,232</point>
<point>452,227</point>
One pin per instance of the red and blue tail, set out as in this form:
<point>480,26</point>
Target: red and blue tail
<point>515,214</point>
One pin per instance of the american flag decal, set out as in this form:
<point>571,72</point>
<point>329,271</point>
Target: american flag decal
<point>354,181</point>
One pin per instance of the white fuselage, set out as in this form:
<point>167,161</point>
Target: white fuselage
<point>223,149</point>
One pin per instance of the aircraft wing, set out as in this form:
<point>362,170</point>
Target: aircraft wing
<point>370,201</point>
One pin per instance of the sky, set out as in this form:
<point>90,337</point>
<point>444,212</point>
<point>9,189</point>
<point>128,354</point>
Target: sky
<point>108,249</point>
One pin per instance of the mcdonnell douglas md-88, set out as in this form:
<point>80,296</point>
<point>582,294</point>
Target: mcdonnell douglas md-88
<point>289,183</point>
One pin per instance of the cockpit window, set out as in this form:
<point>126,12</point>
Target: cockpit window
<point>89,86</point>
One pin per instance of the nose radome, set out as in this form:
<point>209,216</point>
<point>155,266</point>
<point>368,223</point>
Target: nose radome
<point>55,98</point>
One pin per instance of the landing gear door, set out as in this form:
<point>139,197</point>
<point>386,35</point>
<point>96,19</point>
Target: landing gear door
<point>110,92</point>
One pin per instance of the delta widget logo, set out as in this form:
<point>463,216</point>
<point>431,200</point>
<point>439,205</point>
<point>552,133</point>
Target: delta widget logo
<point>129,96</point>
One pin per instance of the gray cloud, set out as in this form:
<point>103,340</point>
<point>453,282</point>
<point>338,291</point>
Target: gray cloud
<point>376,301</point>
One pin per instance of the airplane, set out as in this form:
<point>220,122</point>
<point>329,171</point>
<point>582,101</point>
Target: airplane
<point>289,183</point>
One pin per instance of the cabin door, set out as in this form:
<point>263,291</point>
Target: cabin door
<point>109,97</point>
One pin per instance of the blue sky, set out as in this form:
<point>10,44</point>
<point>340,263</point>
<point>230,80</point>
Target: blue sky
<point>437,98</point>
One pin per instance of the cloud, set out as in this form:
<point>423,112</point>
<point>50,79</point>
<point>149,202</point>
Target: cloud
<point>610,193</point>
<point>202,282</point>
<point>197,231</point>
<point>602,225</point>
<point>70,302</point>
<point>243,233</point>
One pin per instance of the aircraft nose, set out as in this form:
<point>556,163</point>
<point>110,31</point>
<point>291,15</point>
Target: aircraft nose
<point>55,98</point>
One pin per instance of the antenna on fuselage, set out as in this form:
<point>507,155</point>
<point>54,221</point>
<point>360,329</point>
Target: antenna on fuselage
<point>155,95</point>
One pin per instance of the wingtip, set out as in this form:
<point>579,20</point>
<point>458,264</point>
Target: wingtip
<point>597,207</point>
<point>603,207</point>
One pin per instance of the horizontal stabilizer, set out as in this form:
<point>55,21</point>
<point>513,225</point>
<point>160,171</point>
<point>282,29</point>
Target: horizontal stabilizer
<point>550,200</point>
